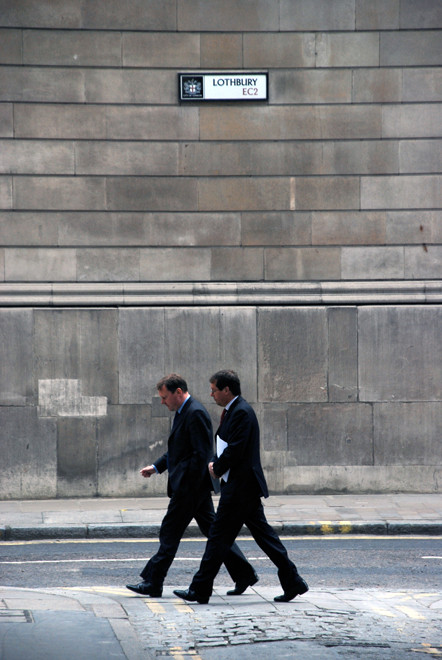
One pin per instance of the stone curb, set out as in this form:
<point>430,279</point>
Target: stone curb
<point>109,531</point>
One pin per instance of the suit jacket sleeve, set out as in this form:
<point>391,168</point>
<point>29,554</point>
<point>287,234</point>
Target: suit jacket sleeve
<point>239,431</point>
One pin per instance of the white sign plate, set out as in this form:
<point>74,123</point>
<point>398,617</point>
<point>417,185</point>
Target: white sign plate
<point>239,86</point>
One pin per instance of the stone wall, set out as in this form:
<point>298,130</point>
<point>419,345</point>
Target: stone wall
<point>297,240</point>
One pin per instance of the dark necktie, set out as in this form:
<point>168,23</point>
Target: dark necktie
<point>223,414</point>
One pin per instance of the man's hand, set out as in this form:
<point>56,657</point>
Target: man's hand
<point>147,471</point>
<point>212,473</point>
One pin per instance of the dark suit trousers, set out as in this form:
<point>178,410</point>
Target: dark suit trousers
<point>182,508</point>
<point>230,517</point>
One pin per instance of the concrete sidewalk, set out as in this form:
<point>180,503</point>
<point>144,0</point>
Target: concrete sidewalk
<point>385,514</point>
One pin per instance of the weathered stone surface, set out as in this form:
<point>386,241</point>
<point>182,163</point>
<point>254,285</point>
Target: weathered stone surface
<point>325,193</point>
<point>29,449</point>
<point>59,193</point>
<point>417,156</point>
<point>302,264</point>
<point>170,49</point>
<point>31,157</point>
<point>189,264</point>
<point>127,158</point>
<point>42,84</point>
<point>422,85</point>
<point>416,120</point>
<point>279,50</point>
<point>108,265</point>
<point>227,15</point>
<point>310,86</point>
<point>152,194</point>
<point>377,85</point>
<point>343,354</point>
<point>347,49</point>
<point>79,344</point>
<point>40,265</point>
<point>129,86</point>
<point>28,13</point>
<point>62,397</point>
<point>377,15</point>
<point>349,228</point>
<point>237,264</point>
<point>326,434</point>
<point>5,192</point>
<point>407,433</point>
<point>412,226</point>
<point>291,228</point>
<point>403,48</point>
<point>59,121</point>
<point>397,348</point>
<point>11,47</point>
<point>317,15</point>
<point>426,14</point>
<point>292,354</point>
<point>76,457</point>
<point>423,262</point>
<point>16,354</point>
<point>221,50</point>
<point>238,194</point>
<point>136,15</point>
<point>151,123</point>
<point>71,48</point>
<point>401,192</point>
<point>372,263</point>
<point>350,157</point>
<point>6,120</point>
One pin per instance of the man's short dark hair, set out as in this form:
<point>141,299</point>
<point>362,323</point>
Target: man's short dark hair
<point>227,378</point>
<point>172,382</point>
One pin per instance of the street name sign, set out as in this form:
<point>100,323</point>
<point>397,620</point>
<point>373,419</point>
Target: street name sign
<point>238,86</point>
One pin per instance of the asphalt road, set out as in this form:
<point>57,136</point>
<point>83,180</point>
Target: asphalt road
<point>326,562</point>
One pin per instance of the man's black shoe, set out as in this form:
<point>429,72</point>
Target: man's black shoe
<point>299,588</point>
<point>242,585</point>
<point>146,589</point>
<point>190,595</point>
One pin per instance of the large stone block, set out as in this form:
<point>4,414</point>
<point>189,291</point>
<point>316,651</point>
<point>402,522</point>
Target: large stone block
<point>221,50</point>
<point>408,48</point>
<point>11,47</point>
<point>267,122</point>
<point>42,84</point>
<point>295,87</point>
<point>348,228</point>
<point>412,226</point>
<point>135,15</point>
<point>422,85</point>
<point>6,121</point>
<point>228,16</point>
<point>31,157</point>
<point>175,264</point>
<point>37,14</point>
<point>59,193</point>
<point>273,429</point>
<point>151,194</point>
<point>237,264</point>
<point>129,86</point>
<point>331,434</point>
<point>347,49</point>
<point>5,192</point>
<point>292,354</point>
<point>416,120</point>
<point>16,357</point>
<point>368,157</point>
<point>377,15</point>
<point>401,192</point>
<point>126,158</point>
<point>398,351</point>
<point>325,193</point>
<point>273,51</point>
<point>152,123</point>
<point>247,158</point>
<point>29,454</point>
<point>424,14</point>
<point>377,85</point>
<point>237,350</point>
<point>407,433</point>
<point>343,354</point>
<point>150,50</point>
<point>60,121</point>
<point>302,264</point>
<point>71,48</point>
<point>422,262</point>
<point>290,228</point>
<point>108,265</point>
<point>372,263</point>
<point>77,457</point>
<point>141,354</point>
<point>317,15</point>
<point>417,156</point>
<point>128,439</point>
<point>350,122</point>
<point>40,265</point>
<point>243,194</point>
<point>79,344</point>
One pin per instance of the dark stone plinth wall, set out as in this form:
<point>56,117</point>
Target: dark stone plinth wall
<point>298,241</point>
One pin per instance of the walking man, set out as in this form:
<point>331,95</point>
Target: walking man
<point>189,488</point>
<point>238,466</point>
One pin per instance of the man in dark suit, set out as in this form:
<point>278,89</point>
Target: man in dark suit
<point>238,465</point>
<point>189,488</point>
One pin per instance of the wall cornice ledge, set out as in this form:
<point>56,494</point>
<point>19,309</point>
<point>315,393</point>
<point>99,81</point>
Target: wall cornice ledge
<point>196,294</point>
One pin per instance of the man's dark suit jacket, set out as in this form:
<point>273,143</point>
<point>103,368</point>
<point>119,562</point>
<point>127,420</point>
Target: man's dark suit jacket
<point>190,447</point>
<point>240,430</point>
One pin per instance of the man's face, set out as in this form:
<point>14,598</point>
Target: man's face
<point>170,399</point>
<point>221,397</point>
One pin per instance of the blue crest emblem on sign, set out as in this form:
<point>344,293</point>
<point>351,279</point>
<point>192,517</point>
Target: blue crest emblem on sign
<point>192,87</point>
